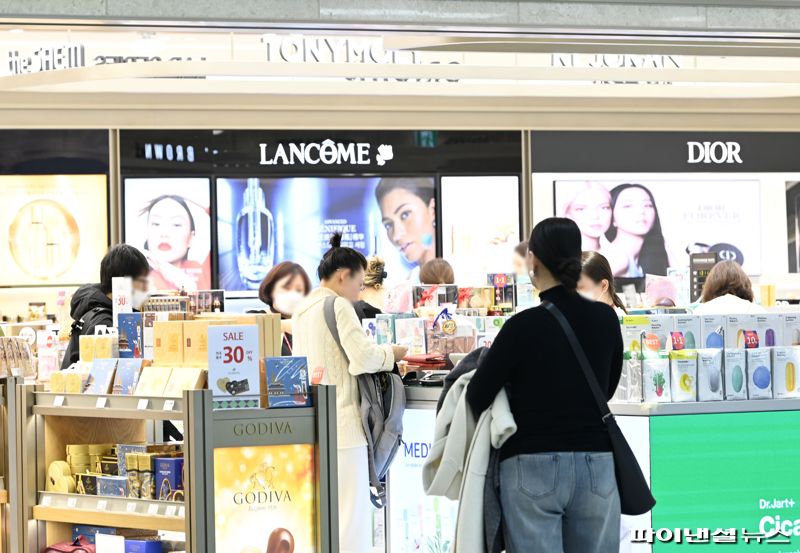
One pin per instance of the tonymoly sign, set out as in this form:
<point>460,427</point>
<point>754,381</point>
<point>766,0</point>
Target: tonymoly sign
<point>326,153</point>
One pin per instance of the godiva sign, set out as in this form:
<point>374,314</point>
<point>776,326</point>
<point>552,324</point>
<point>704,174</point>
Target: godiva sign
<point>263,428</point>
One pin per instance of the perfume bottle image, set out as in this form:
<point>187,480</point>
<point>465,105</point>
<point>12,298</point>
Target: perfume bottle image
<point>255,236</point>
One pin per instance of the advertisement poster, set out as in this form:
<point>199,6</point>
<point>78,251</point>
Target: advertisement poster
<point>55,231</point>
<point>169,220</point>
<point>736,470</point>
<point>646,225</point>
<point>793,224</point>
<point>417,522</point>
<point>261,222</point>
<point>479,236</point>
<point>264,499</point>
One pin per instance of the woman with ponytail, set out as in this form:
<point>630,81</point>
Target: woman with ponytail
<point>597,282</point>
<point>341,274</point>
<point>557,485</point>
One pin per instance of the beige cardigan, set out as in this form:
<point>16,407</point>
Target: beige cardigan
<point>312,339</point>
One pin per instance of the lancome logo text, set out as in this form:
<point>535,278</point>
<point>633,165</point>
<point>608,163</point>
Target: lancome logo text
<point>326,153</point>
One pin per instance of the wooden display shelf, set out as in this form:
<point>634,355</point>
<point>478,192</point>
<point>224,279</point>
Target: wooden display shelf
<point>3,497</point>
<point>107,406</point>
<point>106,518</point>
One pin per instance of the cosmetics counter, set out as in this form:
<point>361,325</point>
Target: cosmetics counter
<point>258,478</point>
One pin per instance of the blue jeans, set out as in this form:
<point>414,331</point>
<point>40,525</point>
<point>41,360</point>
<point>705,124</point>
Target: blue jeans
<point>560,502</point>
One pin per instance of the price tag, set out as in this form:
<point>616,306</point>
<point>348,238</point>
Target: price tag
<point>47,500</point>
<point>169,405</point>
<point>182,512</point>
<point>143,404</point>
<point>152,509</point>
<point>101,403</point>
<point>171,509</point>
<point>72,502</point>
<point>58,401</point>
<point>102,504</point>
<point>131,508</point>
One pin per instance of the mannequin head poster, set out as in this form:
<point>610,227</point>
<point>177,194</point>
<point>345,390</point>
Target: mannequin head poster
<point>169,220</point>
<point>262,222</point>
<point>644,226</point>
<point>55,230</point>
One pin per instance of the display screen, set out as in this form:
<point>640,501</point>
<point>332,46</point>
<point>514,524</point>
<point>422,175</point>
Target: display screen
<point>480,225</point>
<point>645,225</point>
<point>263,495</point>
<point>169,220</point>
<point>264,221</point>
<point>735,470</point>
<point>55,229</point>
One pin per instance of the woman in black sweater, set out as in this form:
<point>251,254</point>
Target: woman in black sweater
<point>557,479</point>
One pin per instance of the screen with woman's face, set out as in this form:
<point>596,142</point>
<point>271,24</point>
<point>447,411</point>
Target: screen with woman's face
<point>264,221</point>
<point>645,225</point>
<point>169,221</point>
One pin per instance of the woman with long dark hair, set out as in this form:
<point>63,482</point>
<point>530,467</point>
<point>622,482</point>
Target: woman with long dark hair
<point>597,282</point>
<point>636,240</point>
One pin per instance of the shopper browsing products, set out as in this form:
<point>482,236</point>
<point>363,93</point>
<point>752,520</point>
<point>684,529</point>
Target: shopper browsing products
<point>727,291</point>
<point>370,302</point>
<point>557,484</point>
<point>91,304</point>
<point>282,290</point>
<point>597,282</point>
<point>437,271</point>
<point>519,260</point>
<point>341,273</point>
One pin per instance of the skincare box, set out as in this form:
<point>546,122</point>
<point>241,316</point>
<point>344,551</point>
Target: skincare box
<point>759,374</point>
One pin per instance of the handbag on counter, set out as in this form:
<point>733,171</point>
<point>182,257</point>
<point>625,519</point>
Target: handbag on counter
<point>634,492</point>
<point>79,545</point>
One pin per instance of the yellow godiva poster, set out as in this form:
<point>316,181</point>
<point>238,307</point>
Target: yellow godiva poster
<point>264,499</point>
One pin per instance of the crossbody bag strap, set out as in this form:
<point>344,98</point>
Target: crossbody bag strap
<point>583,361</point>
<point>329,308</point>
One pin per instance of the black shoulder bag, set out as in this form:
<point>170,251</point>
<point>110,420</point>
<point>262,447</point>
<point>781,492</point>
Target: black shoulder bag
<point>634,493</point>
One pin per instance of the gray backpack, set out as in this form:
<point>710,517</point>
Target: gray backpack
<point>382,404</point>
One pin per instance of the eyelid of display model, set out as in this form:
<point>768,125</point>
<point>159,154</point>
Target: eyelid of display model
<point>255,236</point>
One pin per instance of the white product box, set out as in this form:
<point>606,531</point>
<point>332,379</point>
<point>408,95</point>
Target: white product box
<point>686,332</point>
<point>712,327</point>
<point>785,363</point>
<point>683,373</point>
<point>736,329</point>
<point>709,375</point>
<point>657,329</point>
<point>735,374</point>
<point>769,328</point>
<point>759,373</point>
<point>656,379</point>
<point>791,329</point>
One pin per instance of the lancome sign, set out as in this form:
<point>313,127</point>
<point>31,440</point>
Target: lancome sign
<point>326,153</point>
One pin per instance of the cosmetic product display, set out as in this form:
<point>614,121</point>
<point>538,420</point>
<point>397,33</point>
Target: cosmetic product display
<point>785,364</point>
<point>287,382</point>
<point>709,375</point>
<point>683,372</point>
<point>656,377</point>
<point>759,374</point>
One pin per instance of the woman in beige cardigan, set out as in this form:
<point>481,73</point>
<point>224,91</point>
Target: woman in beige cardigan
<point>341,273</point>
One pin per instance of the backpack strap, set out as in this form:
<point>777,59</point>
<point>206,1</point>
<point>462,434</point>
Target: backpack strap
<point>378,488</point>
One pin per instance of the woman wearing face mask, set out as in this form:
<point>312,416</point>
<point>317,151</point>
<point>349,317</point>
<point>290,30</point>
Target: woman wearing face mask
<point>170,235</point>
<point>282,290</point>
<point>557,485</point>
<point>597,282</point>
<point>341,273</point>
<point>636,241</point>
<point>590,208</point>
<point>408,208</point>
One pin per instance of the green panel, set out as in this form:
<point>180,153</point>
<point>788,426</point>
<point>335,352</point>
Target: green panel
<point>727,471</point>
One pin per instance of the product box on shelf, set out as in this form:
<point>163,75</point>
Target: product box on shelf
<point>149,319</point>
<point>195,343</point>
<point>476,298</point>
<point>185,378</point>
<point>791,329</point>
<point>759,374</point>
<point>399,298</point>
<point>486,339</point>
<point>435,295</point>
<point>411,334</point>
<point>709,375</point>
<point>740,332</point>
<point>168,347</point>
<point>712,329</point>
<point>495,322</point>
<point>651,331</point>
<point>127,376</point>
<point>769,328</point>
<point>370,327</point>
<point>153,381</point>
<point>785,362</point>
<point>735,368</point>
<point>151,545</point>
<point>131,335</point>
<point>629,388</point>
<point>114,486</point>
<point>525,295</point>
<point>169,478</point>
<point>683,372</point>
<point>101,376</point>
<point>86,484</point>
<point>234,373</point>
<point>656,377</point>
<point>89,532</point>
<point>686,332</point>
<point>287,382</point>
<point>503,284</point>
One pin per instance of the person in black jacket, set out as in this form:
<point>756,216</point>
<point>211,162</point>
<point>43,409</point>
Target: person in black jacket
<point>91,304</point>
<point>557,483</point>
<point>371,300</point>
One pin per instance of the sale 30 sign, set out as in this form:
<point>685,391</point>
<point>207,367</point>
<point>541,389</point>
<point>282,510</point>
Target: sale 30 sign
<point>233,366</point>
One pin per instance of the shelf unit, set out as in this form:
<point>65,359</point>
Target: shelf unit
<point>11,460</point>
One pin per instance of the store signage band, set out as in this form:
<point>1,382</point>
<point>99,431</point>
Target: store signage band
<point>326,153</point>
<point>714,152</point>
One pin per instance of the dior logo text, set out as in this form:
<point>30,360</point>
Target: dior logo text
<point>715,152</point>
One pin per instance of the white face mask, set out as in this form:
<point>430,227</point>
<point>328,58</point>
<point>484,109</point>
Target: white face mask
<point>286,302</point>
<point>138,298</point>
<point>588,295</point>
